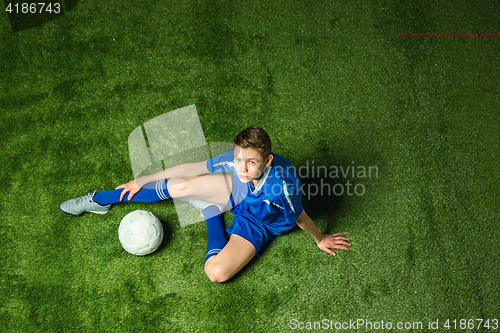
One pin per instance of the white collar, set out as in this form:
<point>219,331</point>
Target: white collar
<point>262,180</point>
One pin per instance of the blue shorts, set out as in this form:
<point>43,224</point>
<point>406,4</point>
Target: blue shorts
<point>255,233</point>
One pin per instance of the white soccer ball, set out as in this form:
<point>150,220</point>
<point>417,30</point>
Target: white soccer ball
<point>140,232</point>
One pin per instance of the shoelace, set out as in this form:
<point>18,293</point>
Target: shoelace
<point>90,197</point>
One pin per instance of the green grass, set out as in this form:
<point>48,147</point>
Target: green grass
<point>332,83</point>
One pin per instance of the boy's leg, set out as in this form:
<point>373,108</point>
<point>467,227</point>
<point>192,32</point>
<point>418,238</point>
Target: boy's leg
<point>215,188</point>
<point>216,235</point>
<point>100,202</point>
<point>152,192</point>
<point>233,257</point>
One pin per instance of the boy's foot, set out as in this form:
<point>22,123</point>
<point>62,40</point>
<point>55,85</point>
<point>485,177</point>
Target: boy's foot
<point>75,207</point>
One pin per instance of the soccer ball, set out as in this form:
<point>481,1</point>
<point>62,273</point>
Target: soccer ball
<point>140,232</point>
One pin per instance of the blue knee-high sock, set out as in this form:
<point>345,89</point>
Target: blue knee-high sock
<point>216,236</point>
<point>151,192</point>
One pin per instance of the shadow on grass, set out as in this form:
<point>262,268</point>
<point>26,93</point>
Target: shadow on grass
<point>160,211</point>
<point>332,179</point>
<point>322,195</point>
<point>167,236</point>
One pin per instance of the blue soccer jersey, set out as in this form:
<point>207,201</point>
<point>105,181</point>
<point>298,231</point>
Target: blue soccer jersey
<point>274,204</point>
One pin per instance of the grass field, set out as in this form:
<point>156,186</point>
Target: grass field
<point>333,84</point>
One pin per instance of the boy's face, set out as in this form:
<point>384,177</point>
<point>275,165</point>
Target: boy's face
<point>249,164</point>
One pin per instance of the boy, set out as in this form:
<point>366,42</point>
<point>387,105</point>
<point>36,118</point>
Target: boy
<point>263,192</point>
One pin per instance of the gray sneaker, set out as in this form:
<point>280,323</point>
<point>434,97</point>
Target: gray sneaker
<point>75,207</point>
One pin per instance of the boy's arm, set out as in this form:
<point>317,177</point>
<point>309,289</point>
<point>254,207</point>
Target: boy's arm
<point>324,241</point>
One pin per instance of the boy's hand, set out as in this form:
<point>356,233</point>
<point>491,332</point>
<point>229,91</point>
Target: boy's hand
<point>334,241</point>
<point>131,187</point>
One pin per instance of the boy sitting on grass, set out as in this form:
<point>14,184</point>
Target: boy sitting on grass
<point>261,188</point>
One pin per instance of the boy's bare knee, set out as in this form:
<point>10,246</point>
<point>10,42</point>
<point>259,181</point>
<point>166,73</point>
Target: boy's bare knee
<point>216,273</point>
<point>177,187</point>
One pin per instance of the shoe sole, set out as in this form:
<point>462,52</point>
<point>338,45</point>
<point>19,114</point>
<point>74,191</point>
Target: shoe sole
<point>73,215</point>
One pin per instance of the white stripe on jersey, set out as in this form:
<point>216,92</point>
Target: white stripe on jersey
<point>287,196</point>
<point>267,202</point>
<point>213,251</point>
<point>231,164</point>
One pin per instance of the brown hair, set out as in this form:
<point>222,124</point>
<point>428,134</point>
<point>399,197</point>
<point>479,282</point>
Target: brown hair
<point>256,138</point>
